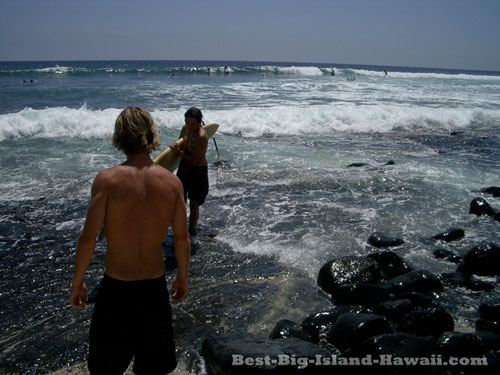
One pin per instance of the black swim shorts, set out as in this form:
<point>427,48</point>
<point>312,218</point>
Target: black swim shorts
<point>132,318</point>
<point>195,182</point>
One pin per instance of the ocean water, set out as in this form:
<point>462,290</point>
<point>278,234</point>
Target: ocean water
<point>288,132</point>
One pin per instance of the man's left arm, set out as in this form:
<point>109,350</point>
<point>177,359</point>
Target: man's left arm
<point>87,240</point>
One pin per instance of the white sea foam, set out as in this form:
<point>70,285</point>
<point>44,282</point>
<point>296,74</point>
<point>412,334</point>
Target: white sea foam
<point>248,121</point>
<point>419,75</point>
<point>54,69</point>
<point>58,122</point>
<point>300,70</point>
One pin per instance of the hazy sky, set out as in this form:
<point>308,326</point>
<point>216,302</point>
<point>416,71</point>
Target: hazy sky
<point>426,33</point>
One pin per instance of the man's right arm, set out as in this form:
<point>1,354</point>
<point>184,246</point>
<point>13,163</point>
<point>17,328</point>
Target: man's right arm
<point>87,240</point>
<point>182,247</point>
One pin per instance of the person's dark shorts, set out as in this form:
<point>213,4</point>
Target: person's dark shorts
<point>132,318</point>
<point>195,182</point>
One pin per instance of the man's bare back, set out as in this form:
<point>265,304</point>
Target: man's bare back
<point>141,200</point>
<point>136,201</point>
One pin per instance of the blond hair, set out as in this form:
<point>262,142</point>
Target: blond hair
<point>135,131</point>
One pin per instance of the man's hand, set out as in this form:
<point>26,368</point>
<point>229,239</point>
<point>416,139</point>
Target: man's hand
<point>78,296</point>
<point>179,289</point>
<point>174,146</point>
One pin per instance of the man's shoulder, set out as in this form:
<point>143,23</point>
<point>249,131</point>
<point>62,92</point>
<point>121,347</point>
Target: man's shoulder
<point>165,174</point>
<point>108,173</point>
<point>203,133</point>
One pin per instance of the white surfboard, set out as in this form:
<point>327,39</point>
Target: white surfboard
<point>169,160</point>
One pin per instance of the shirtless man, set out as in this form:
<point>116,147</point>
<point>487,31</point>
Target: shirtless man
<point>193,169</point>
<point>136,201</point>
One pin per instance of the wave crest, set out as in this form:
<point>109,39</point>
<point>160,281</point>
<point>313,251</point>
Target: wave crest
<point>250,122</point>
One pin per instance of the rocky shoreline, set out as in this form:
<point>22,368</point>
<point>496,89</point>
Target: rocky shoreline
<point>381,308</point>
<point>254,306</point>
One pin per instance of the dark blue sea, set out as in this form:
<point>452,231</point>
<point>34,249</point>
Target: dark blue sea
<point>284,192</point>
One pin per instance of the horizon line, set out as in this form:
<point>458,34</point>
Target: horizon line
<point>254,61</point>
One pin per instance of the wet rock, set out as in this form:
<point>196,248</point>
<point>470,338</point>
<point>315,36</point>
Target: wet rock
<point>241,354</point>
<point>493,359</point>
<point>416,281</point>
<point>483,260</point>
<point>222,164</point>
<point>497,216</point>
<point>314,324</point>
<point>480,207</point>
<point>347,270</point>
<point>352,329</point>
<point>466,281</point>
<point>448,255</point>
<point>390,264</point>
<point>450,235</point>
<point>419,299</point>
<point>492,326</point>
<point>474,344</point>
<point>396,309</point>
<point>358,165</point>
<point>285,329</point>
<point>378,239</point>
<point>494,190</point>
<point>489,319</point>
<point>396,344</point>
<point>364,294</point>
<point>489,312</point>
<point>427,321</point>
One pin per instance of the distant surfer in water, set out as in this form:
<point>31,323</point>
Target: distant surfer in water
<point>136,202</point>
<point>193,168</point>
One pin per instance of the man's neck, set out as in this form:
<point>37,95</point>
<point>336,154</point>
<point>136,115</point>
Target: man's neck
<point>139,160</point>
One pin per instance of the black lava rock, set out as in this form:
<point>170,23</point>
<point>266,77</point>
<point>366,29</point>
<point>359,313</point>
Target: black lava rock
<point>396,344</point>
<point>429,321</point>
<point>480,207</point>
<point>347,270</point>
<point>450,235</point>
<point>489,312</point>
<point>416,281</point>
<point>316,323</point>
<point>365,294</point>
<point>488,326</point>
<point>494,190</point>
<point>396,309</point>
<point>448,255</point>
<point>241,354</point>
<point>475,344</point>
<point>390,264</point>
<point>352,329</point>
<point>466,281</point>
<point>483,260</point>
<point>285,329</point>
<point>378,239</point>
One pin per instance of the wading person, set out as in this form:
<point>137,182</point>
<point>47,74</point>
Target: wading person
<point>136,202</point>
<point>193,169</point>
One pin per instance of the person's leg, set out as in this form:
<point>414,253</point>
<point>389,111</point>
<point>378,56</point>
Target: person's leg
<point>197,195</point>
<point>110,349</point>
<point>154,336</point>
<point>194,214</point>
